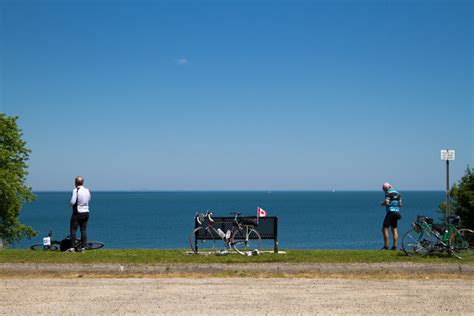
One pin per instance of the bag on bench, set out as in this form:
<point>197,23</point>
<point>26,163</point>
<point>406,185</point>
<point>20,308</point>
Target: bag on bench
<point>249,221</point>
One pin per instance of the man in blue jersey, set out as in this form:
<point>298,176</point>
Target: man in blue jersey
<point>392,203</point>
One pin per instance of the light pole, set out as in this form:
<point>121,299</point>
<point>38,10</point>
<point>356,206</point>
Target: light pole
<point>447,154</point>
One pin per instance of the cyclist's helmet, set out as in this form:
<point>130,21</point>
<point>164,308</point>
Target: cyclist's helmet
<point>386,186</point>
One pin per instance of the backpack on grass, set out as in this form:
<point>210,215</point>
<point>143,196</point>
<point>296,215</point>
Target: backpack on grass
<point>65,244</point>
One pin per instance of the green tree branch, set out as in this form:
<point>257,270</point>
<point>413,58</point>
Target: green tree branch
<point>13,190</point>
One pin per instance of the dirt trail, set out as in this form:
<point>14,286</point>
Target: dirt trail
<point>275,296</point>
<point>270,288</point>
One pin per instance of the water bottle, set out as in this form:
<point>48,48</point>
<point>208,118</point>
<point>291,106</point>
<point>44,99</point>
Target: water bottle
<point>221,233</point>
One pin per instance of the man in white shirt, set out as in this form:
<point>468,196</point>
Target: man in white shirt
<point>80,212</point>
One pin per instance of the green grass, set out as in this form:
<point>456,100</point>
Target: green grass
<point>150,257</point>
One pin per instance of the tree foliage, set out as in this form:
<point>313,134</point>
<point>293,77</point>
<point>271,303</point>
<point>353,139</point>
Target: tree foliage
<point>462,199</point>
<point>13,190</point>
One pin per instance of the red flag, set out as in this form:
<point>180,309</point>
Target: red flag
<point>261,212</point>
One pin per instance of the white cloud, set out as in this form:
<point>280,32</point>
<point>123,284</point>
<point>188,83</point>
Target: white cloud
<point>182,61</point>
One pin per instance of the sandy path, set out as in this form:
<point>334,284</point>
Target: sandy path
<point>23,296</point>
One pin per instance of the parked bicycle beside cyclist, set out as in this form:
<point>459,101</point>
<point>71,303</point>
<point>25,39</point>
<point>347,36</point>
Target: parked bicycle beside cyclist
<point>426,238</point>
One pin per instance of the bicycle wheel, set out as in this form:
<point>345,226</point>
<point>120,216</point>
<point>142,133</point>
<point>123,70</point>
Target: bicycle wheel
<point>417,244</point>
<point>53,247</point>
<point>462,242</point>
<point>245,240</point>
<point>202,241</point>
<point>92,245</point>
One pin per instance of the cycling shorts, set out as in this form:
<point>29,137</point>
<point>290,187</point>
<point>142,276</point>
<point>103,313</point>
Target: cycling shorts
<point>391,219</point>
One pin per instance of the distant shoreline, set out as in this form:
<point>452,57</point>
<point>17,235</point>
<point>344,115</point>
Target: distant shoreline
<point>230,191</point>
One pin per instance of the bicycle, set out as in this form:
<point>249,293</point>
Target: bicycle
<point>425,237</point>
<point>242,237</point>
<point>463,242</point>
<point>48,244</point>
<point>54,245</point>
<point>245,239</point>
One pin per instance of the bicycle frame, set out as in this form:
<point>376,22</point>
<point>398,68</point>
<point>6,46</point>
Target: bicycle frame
<point>443,237</point>
<point>209,229</point>
<point>245,229</point>
<point>426,229</point>
<point>449,231</point>
<point>210,224</point>
<point>430,239</point>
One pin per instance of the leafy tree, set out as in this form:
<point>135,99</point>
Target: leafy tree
<point>13,190</point>
<point>462,199</point>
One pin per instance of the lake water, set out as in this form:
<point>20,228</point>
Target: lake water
<point>307,220</point>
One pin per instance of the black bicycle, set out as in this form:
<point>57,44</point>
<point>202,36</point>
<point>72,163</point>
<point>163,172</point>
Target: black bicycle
<point>49,244</point>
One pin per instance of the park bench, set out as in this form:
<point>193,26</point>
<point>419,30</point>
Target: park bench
<point>267,227</point>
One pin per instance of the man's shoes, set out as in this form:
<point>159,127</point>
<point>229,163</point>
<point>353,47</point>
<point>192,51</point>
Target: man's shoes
<point>384,248</point>
<point>393,248</point>
<point>70,250</point>
<point>81,249</point>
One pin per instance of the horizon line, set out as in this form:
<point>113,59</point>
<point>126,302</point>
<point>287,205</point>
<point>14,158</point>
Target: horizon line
<point>240,190</point>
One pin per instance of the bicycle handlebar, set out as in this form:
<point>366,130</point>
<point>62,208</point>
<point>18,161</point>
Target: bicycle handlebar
<point>209,217</point>
<point>208,214</point>
<point>200,217</point>
<point>424,219</point>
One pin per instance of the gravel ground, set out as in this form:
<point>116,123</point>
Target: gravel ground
<point>274,296</point>
<point>273,288</point>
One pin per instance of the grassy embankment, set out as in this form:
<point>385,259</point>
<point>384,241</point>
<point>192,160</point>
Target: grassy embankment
<point>153,256</point>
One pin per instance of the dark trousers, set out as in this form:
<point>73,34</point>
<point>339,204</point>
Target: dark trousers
<point>79,219</point>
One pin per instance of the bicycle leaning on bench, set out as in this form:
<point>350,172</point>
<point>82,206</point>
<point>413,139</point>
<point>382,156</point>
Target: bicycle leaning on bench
<point>426,237</point>
<point>53,245</point>
<point>242,237</point>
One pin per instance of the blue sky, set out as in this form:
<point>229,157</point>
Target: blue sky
<point>240,95</point>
